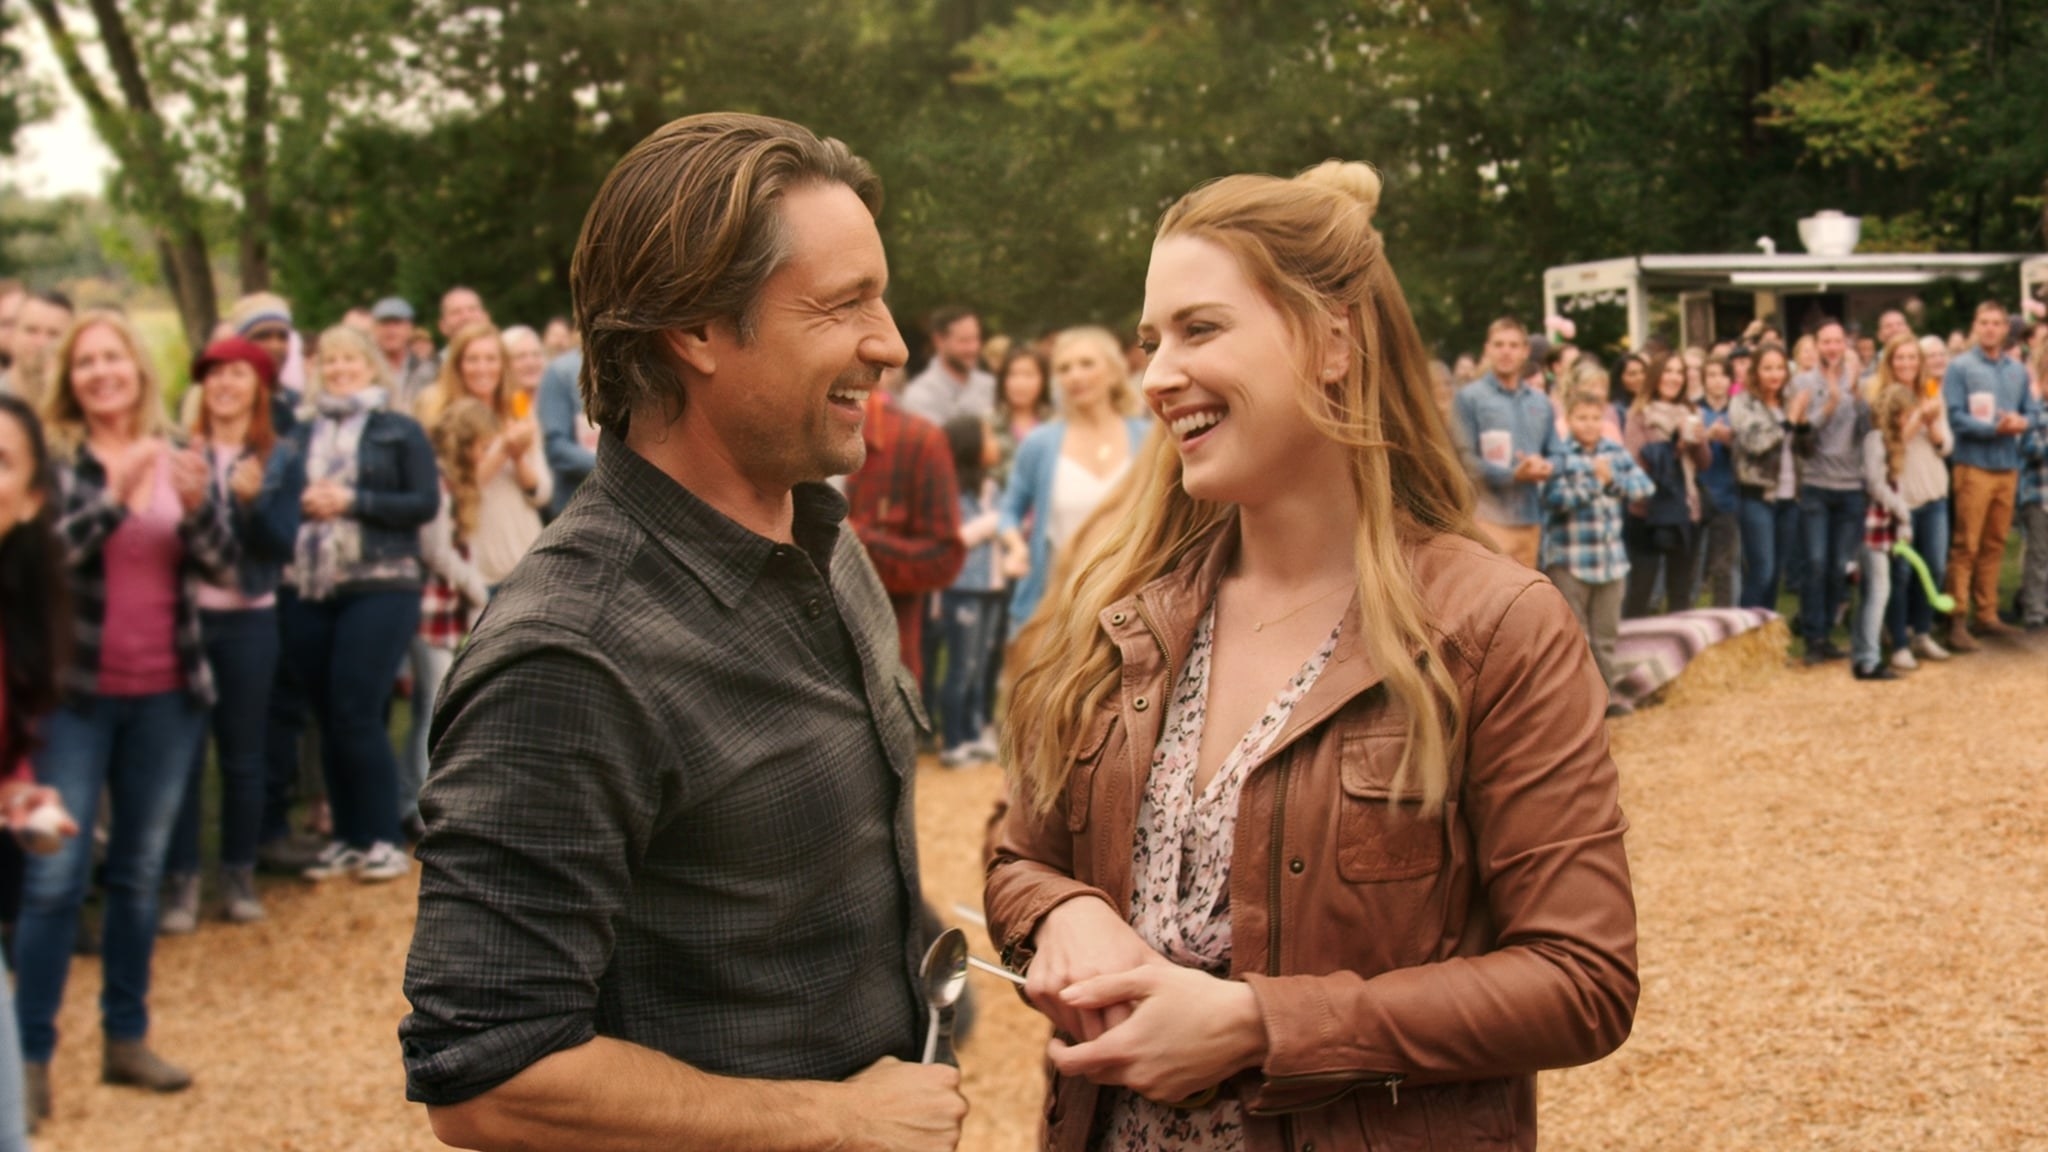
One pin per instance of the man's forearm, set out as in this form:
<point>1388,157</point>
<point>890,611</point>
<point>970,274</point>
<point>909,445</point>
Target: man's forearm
<point>611,1096</point>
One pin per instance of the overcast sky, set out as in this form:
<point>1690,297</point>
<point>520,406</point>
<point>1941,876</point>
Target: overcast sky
<point>60,155</point>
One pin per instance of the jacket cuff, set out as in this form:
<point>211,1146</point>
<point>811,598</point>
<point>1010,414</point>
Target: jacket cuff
<point>1019,896</point>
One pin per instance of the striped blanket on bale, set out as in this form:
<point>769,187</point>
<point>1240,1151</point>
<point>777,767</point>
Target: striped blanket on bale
<point>1655,649</point>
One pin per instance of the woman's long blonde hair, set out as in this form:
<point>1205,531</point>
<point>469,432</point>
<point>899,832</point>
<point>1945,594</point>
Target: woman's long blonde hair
<point>466,424</point>
<point>448,386</point>
<point>1891,406</point>
<point>64,420</point>
<point>1309,244</point>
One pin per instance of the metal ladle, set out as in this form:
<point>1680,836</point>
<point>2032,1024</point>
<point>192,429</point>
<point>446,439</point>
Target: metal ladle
<point>944,976</point>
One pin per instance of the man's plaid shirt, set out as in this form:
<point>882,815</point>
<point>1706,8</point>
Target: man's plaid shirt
<point>87,515</point>
<point>1582,516</point>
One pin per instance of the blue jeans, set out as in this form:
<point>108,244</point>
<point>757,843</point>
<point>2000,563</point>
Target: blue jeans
<point>1911,613</point>
<point>13,1113</point>
<point>1864,649</point>
<point>430,666</point>
<point>1834,537</point>
<point>241,647</point>
<point>346,649</point>
<point>967,624</point>
<point>283,735</point>
<point>1772,533</point>
<point>138,750</point>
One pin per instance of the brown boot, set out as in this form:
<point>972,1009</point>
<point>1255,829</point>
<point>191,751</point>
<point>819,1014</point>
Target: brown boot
<point>35,1093</point>
<point>1997,628</point>
<point>131,1062</point>
<point>1959,638</point>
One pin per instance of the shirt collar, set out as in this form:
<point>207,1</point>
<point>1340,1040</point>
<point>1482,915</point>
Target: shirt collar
<point>726,557</point>
<point>1503,389</point>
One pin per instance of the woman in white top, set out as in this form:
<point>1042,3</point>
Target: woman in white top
<point>1066,467</point>
<point>513,477</point>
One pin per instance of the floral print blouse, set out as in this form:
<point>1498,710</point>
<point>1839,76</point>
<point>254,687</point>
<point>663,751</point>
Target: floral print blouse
<point>1180,869</point>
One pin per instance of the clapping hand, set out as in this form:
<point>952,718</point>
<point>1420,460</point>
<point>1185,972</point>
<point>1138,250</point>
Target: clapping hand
<point>2011,424</point>
<point>1603,469</point>
<point>325,500</point>
<point>246,480</point>
<point>189,474</point>
<point>1531,469</point>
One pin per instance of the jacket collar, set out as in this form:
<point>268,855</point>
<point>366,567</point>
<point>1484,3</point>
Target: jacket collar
<point>1165,613</point>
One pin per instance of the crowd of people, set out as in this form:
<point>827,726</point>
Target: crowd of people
<point>318,526</point>
<point>1728,473</point>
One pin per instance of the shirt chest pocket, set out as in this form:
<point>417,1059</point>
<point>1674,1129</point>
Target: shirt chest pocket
<point>1377,839</point>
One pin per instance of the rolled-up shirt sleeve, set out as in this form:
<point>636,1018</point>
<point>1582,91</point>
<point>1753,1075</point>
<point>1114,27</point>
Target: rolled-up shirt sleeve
<point>541,801</point>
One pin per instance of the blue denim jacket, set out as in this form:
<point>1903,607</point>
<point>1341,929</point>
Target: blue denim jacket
<point>1977,445</point>
<point>267,527</point>
<point>398,485</point>
<point>555,409</point>
<point>1527,416</point>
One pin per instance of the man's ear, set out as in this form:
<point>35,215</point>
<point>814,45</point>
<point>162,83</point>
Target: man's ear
<point>693,347</point>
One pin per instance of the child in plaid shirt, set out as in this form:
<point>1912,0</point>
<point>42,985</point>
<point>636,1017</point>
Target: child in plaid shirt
<point>1594,478</point>
<point>2033,518</point>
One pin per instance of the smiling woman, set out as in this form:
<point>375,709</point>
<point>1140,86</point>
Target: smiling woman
<point>1301,765</point>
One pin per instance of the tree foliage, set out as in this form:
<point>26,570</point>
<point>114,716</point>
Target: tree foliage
<point>1028,148</point>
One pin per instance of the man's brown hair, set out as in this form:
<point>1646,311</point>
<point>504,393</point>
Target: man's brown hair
<point>684,232</point>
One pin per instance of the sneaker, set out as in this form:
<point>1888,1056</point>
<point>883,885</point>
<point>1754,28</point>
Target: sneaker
<point>1926,649</point>
<point>1875,672</point>
<point>1902,660</point>
<point>180,913</point>
<point>337,859</point>
<point>382,862</point>
<point>238,890</point>
<point>963,756</point>
<point>289,855</point>
<point>987,748</point>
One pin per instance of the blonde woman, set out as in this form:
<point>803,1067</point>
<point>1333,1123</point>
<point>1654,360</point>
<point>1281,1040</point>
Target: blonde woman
<point>142,527</point>
<point>1066,467</point>
<point>515,479</point>
<point>371,485</point>
<point>1383,898</point>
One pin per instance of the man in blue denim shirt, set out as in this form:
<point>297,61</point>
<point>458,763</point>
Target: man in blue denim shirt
<point>1507,435</point>
<point>1990,407</point>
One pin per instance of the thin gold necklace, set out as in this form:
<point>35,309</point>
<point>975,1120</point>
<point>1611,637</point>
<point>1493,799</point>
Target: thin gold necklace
<point>1260,625</point>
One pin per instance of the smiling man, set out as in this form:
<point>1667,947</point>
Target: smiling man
<point>669,881</point>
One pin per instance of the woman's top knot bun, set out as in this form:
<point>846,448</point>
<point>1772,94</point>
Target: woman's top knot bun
<point>1353,178</point>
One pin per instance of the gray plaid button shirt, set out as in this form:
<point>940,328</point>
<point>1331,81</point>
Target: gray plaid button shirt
<point>670,803</point>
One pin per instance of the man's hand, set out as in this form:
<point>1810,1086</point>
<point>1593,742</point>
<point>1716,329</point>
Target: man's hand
<point>898,1107</point>
<point>1532,469</point>
<point>1603,469</point>
<point>1079,940</point>
<point>2010,424</point>
<point>1188,1032</point>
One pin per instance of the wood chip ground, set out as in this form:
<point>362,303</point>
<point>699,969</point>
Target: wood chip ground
<point>1844,947</point>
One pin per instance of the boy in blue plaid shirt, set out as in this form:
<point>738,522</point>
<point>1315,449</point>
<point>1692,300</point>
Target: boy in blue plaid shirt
<point>2033,518</point>
<point>1593,479</point>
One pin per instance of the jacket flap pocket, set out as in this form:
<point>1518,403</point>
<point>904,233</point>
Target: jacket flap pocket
<point>1367,762</point>
<point>1081,770</point>
<point>912,698</point>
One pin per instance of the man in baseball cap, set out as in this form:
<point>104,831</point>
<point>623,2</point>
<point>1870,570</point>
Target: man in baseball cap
<point>409,374</point>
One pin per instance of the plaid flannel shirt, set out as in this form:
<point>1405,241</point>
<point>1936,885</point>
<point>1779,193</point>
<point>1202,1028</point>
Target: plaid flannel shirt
<point>904,503</point>
<point>87,515</point>
<point>2034,461</point>
<point>1582,523</point>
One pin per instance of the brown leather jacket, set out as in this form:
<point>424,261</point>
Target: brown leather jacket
<point>1413,974</point>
